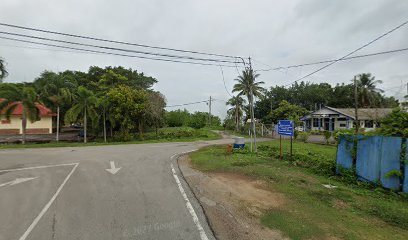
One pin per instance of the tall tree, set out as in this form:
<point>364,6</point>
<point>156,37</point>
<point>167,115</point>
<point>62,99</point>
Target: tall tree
<point>237,103</point>
<point>155,113</point>
<point>249,87</point>
<point>367,90</point>
<point>127,108</point>
<point>103,103</point>
<point>83,108</point>
<point>13,96</point>
<point>56,89</point>
<point>3,71</point>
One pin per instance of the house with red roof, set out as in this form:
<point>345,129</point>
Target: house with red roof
<point>13,125</point>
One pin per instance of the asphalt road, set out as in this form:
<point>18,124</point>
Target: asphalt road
<point>67,193</point>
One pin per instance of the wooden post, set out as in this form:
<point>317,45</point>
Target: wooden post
<point>280,143</point>
<point>291,143</point>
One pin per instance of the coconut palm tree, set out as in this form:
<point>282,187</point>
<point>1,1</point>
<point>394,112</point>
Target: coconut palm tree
<point>13,96</point>
<point>367,89</point>
<point>3,71</point>
<point>103,104</point>
<point>56,89</point>
<point>83,107</point>
<point>249,87</point>
<point>236,102</point>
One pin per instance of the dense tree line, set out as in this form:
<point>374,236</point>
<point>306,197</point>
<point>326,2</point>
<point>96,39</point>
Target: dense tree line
<point>114,98</point>
<point>179,118</point>
<point>311,96</point>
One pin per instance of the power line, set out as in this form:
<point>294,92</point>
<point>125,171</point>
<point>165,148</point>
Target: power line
<point>45,49</point>
<point>223,79</point>
<point>185,104</point>
<point>118,42</point>
<point>110,53</point>
<point>352,52</point>
<point>329,61</point>
<point>118,49</point>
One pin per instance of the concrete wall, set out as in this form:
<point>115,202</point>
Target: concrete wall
<point>44,126</point>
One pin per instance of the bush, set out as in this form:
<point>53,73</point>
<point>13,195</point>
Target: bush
<point>303,136</point>
<point>177,118</point>
<point>198,120</point>
<point>327,135</point>
<point>315,161</point>
<point>295,134</point>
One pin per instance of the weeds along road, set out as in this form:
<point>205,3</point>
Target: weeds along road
<point>104,192</point>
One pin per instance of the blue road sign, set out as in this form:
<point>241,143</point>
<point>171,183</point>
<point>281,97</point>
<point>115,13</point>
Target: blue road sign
<point>285,127</point>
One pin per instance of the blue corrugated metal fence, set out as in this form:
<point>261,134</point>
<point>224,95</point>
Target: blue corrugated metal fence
<point>377,159</point>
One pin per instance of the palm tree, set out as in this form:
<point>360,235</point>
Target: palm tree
<point>248,86</point>
<point>83,107</point>
<point>367,89</point>
<point>103,103</point>
<point>13,96</point>
<point>237,103</point>
<point>3,71</point>
<point>55,88</point>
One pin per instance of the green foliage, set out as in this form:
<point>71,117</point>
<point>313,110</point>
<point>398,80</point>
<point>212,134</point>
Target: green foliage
<point>303,136</point>
<point>395,124</point>
<point>393,173</point>
<point>311,95</point>
<point>127,108</point>
<point>235,113</point>
<point>177,118</point>
<point>352,210</point>
<point>286,111</point>
<point>295,134</point>
<point>198,120</point>
<point>327,135</point>
<point>12,95</point>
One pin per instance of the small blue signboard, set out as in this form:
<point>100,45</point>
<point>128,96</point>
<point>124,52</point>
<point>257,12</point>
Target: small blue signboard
<point>285,127</point>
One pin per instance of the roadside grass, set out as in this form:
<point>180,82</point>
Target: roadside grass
<point>350,211</point>
<point>182,134</point>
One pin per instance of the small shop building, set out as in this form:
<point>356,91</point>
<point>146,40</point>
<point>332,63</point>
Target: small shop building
<point>331,119</point>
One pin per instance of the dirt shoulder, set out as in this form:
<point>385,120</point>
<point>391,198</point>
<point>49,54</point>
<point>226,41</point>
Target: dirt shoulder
<point>233,203</point>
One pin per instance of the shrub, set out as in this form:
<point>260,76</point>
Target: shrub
<point>295,134</point>
<point>303,136</point>
<point>327,135</point>
<point>198,120</point>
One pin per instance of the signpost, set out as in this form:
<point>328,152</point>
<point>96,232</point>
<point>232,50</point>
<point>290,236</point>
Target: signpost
<point>285,128</point>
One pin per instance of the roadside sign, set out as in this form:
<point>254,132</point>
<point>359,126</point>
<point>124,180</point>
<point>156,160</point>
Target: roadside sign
<point>285,128</point>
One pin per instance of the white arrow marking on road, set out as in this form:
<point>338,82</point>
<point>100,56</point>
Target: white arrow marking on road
<point>113,169</point>
<point>17,181</point>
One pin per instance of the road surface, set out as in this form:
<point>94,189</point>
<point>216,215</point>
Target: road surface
<point>102,192</point>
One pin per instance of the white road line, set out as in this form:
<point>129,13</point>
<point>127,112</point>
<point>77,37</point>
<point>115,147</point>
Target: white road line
<point>29,168</point>
<point>47,206</point>
<point>190,208</point>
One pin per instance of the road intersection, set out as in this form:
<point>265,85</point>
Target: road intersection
<point>102,192</point>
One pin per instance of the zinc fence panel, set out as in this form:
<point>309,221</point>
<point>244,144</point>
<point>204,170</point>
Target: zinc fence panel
<point>390,161</point>
<point>344,155</point>
<point>368,160</point>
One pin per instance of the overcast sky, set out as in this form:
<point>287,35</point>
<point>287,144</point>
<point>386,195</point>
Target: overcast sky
<point>275,33</point>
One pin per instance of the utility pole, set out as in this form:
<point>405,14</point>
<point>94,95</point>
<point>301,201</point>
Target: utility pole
<point>252,105</point>
<point>209,112</point>
<point>356,104</point>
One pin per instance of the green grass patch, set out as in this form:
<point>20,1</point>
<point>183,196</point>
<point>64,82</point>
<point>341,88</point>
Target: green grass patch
<point>350,211</point>
<point>183,134</point>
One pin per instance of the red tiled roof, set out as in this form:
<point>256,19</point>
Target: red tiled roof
<point>18,111</point>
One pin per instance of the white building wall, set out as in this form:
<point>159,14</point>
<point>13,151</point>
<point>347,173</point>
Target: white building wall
<point>15,123</point>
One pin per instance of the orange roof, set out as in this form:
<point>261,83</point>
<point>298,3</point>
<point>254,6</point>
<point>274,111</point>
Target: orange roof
<point>18,111</point>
